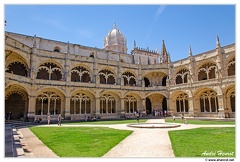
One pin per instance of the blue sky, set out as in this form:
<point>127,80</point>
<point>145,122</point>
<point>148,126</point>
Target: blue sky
<point>180,26</point>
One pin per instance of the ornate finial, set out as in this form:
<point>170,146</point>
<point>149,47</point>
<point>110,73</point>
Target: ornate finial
<point>156,49</point>
<point>190,51</point>
<point>115,26</point>
<point>135,44</point>
<point>218,42</point>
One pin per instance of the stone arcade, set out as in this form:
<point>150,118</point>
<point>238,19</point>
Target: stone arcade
<point>50,77</point>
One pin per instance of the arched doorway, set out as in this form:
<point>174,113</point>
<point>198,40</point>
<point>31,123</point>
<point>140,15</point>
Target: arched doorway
<point>15,104</point>
<point>148,106</point>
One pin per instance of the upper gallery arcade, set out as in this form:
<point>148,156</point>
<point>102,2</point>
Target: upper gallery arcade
<point>50,77</point>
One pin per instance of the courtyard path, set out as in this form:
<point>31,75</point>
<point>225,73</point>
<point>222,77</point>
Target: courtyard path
<point>143,142</point>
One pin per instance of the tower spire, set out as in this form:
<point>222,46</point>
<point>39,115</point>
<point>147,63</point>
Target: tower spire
<point>115,26</point>
<point>164,50</point>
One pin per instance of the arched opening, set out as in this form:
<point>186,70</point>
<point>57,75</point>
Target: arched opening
<point>232,101</point>
<point>182,103</point>
<point>164,80</point>
<point>129,79</point>
<point>147,82</point>
<point>231,67</point>
<point>107,104</point>
<point>80,104</point>
<point>130,104</point>
<point>80,74</point>
<point>49,71</point>
<point>148,106</point>
<point>106,77</point>
<point>164,104</point>
<point>209,101</point>
<point>207,71</point>
<point>48,103</point>
<point>15,104</point>
<point>181,76</point>
<point>17,68</point>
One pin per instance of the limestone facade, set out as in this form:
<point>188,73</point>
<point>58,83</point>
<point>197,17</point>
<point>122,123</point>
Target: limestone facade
<point>50,77</point>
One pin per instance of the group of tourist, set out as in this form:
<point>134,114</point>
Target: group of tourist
<point>159,113</point>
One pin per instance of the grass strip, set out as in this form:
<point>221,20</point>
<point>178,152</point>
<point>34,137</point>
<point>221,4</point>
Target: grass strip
<point>202,122</point>
<point>203,142</point>
<point>80,141</point>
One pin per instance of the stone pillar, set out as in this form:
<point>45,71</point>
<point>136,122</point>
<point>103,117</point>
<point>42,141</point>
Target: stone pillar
<point>97,106</point>
<point>31,107</point>
<point>95,70</point>
<point>33,69</point>
<point>66,109</point>
<point>168,106</point>
<point>221,113</point>
<point>190,107</point>
<point>122,108</point>
<point>144,112</point>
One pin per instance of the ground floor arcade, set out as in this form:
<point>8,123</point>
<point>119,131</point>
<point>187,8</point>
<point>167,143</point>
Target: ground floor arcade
<point>78,103</point>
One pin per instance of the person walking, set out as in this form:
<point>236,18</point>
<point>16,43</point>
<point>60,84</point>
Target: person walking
<point>48,119</point>
<point>59,119</point>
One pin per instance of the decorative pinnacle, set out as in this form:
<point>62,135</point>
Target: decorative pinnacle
<point>190,51</point>
<point>218,42</point>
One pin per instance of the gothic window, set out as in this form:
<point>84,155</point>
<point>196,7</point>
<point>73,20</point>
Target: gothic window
<point>129,78</point>
<point>130,104</point>
<point>80,104</point>
<point>181,76</point>
<point>106,77</point>
<point>209,101</point>
<point>206,71</point>
<point>80,74</point>
<point>48,103</point>
<point>231,67</point>
<point>49,71</point>
<point>17,68</point>
<point>182,103</point>
<point>107,104</point>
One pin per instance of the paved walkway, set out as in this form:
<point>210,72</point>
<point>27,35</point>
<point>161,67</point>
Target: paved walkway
<point>143,142</point>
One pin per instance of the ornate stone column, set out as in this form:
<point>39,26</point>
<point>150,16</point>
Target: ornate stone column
<point>190,107</point>
<point>144,112</point>
<point>31,107</point>
<point>221,113</point>
<point>66,109</point>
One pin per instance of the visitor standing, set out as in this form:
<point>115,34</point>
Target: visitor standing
<point>59,119</point>
<point>182,117</point>
<point>48,119</point>
<point>138,115</point>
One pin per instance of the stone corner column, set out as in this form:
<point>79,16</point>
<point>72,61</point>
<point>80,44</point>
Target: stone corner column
<point>221,113</point>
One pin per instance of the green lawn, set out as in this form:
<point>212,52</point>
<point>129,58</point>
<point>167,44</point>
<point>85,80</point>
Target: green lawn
<point>110,122</point>
<point>80,141</point>
<point>203,142</point>
<point>194,121</point>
